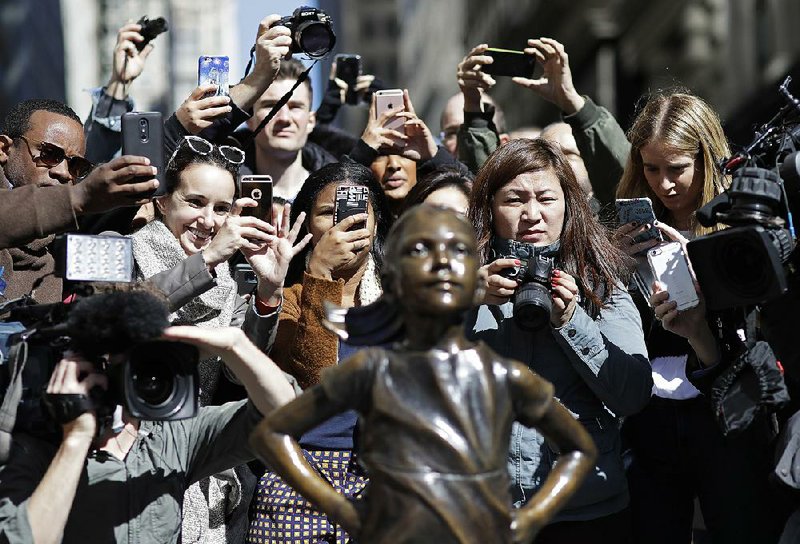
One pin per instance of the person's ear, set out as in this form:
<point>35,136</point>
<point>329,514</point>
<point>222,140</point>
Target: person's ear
<point>504,138</point>
<point>5,145</point>
<point>312,122</point>
<point>161,205</point>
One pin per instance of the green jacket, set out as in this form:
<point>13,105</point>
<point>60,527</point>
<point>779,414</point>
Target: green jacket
<point>601,141</point>
<point>136,500</point>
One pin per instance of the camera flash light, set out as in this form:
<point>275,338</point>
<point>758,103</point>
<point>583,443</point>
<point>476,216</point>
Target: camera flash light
<point>98,258</point>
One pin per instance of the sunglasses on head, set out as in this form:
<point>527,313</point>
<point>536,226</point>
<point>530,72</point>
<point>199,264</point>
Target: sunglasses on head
<point>201,146</point>
<point>50,155</point>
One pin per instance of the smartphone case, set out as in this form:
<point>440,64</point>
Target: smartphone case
<point>641,211</point>
<point>350,200</point>
<point>348,68</point>
<point>391,99</point>
<point>670,267</point>
<point>214,71</point>
<point>143,135</point>
<point>259,188</point>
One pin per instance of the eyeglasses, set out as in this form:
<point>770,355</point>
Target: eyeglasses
<point>50,155</point>
<point>201,146</point>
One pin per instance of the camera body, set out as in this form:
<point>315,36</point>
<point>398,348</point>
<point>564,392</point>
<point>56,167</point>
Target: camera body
<point>151,28</point>
<point>532,300</point>
<point>312,31</point>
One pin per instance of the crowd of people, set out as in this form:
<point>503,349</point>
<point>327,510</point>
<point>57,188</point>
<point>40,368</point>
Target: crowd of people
<point>621,358</point>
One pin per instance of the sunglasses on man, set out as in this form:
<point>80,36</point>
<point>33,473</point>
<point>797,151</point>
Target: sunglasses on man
<point>50,155</point>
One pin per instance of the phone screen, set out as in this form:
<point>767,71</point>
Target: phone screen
<point>670,267</point>
<point>214,71</point>
<point>259,188</point>
<point>509,63</point>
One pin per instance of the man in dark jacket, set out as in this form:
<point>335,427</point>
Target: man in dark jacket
<point>42,147</point>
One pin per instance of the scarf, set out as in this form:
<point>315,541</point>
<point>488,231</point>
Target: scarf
<point>155,249</point>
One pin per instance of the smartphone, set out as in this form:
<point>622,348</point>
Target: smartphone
<point>259,188</point>
<point>214,71</point>
<point>641,211</point>
<point>245,278</point>
<point>509,63</point>
<point>670,267</point>
<point>391,100</point>
<point>348,68</point>
<point>350,200</point>
<point>143,135</point>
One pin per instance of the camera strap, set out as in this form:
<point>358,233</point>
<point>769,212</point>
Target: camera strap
<point>246,140</point>
<point>17,356</point>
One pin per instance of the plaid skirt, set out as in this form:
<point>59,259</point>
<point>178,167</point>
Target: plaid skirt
<point>279,514</point>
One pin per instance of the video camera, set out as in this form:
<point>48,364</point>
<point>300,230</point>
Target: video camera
<point>117,331</point>
<point>751,262</point>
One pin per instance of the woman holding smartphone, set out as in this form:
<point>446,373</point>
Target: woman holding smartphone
<point>591,346</point>
<point>341,265</point>
<point>678,451</point>
<point>184,252</point>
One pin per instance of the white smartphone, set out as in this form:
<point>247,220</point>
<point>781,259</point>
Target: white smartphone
<point>641,211</point>
<point>670,267</point>
<point>391,100</point>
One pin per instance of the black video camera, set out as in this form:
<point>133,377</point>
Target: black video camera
<point>151,28</point>
<point>532,300</point>
<point>118,332</point>
<point>747,264</point>
<point>312,31</point>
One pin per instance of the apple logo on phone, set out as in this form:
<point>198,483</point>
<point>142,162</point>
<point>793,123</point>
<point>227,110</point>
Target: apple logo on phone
<point>256,194</point>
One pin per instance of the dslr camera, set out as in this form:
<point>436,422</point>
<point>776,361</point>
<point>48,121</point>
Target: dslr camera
<point>312,31</point>
<point>151,28</point>
<point>751,262</point>
<point>532,300</point>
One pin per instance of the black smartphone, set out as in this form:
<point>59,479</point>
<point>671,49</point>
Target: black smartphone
<point>509,63</point>
<point>348,68</point>
<point>143,135</point>
<point>350,200</point>
<point>259,188</point>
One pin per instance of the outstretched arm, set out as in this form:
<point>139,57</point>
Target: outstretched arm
<point>577,453</point>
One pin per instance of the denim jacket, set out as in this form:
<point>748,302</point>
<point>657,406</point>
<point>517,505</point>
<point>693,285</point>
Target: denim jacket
<point>600,372</point>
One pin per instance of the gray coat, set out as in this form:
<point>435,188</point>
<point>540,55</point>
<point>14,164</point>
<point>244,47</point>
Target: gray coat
<point>600,372</point>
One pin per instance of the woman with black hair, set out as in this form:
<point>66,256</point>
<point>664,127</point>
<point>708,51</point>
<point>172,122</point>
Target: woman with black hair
<point>342,265</point>
<point>588,342</point>
<point>445,188</point>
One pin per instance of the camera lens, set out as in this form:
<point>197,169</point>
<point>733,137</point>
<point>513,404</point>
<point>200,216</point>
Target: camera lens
<point>315,39</point>
<point>152,382</point>
<point>532,306</point>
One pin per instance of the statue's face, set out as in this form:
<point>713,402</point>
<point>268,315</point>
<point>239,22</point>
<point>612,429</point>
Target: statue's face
<point>435,266</point>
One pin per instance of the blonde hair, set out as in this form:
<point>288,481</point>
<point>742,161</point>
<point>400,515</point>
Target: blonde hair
<point>686,124</point>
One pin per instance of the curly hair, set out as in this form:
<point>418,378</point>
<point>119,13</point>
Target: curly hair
<point>18,119</point>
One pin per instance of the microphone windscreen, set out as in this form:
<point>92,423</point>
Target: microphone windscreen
<point>114,322</point>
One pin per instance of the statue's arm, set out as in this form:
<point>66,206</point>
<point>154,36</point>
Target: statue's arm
<point>537,408</point>
<point>275,439</point>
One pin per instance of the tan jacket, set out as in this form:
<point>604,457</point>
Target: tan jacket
<point>303,346</point>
